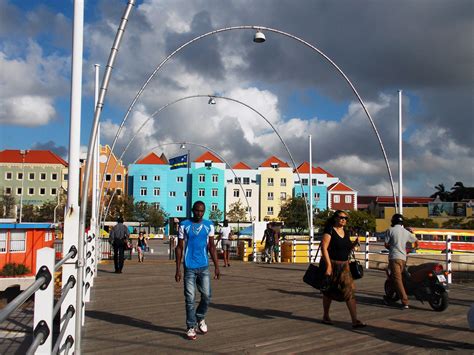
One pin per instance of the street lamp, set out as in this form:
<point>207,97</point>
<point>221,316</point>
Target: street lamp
<point>259,37</point>
<point>211,101</point>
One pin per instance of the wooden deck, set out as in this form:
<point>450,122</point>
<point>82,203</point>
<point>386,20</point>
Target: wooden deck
<point>261,309</point>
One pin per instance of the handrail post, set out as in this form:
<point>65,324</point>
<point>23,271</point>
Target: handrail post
<point>293,254</point>
<point>44,298</point>
<point>254,251</point>
<point>279,250</point>
<point>366,250</point>
<point>448,258</point>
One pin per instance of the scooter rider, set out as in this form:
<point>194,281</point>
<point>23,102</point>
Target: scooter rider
<point>395,241</point>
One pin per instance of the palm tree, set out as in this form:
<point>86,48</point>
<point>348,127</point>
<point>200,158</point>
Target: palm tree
<point>441,193</point>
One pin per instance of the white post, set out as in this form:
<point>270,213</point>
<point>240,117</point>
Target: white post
<point>94,226</point>
<point>23,153</point>
<point>44,298</point>
<point>311,228</point>
<point>293,254</point>
<point>400,154</point>
<point>448,259</point>
<point>71,218</point>
<point>366,250</point>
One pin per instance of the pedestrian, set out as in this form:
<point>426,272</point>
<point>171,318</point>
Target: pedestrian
<point>336,248</point>
<point>119,239</point>
<point>276,247</point>
<point>224,236</point>
<point>142,244</point>
<point>396,240</point>
<point>196,239</point>
<point>269,240</point>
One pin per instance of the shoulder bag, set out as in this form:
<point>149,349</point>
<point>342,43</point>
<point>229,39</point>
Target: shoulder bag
<point>314,275</point>
<point>357,271</point>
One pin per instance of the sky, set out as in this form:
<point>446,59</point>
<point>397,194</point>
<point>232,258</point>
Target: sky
<point>424,48</point>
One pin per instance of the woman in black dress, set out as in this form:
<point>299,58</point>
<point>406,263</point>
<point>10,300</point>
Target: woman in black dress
<point>336,248</point>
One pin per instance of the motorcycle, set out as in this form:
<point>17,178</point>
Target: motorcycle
<point>427,282</point>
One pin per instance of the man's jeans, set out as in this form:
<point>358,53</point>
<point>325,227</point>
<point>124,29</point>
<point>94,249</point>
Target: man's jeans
<point>201,278</point>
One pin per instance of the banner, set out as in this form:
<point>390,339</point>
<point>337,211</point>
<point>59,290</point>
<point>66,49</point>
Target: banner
<point>179,162</point>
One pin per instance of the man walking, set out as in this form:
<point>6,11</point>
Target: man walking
<point>118,238</point>
<point>225,234</point>
<point>196,238</point>
<point>395,241</point>
<point>269,239</point>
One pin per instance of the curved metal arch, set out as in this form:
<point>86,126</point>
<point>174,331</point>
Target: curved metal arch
<point>289,35</point>
<point>154,115</point>
<point>193,144</point>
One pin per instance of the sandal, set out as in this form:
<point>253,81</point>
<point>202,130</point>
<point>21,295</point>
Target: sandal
<point>358,324</point>
<point>327,321</point>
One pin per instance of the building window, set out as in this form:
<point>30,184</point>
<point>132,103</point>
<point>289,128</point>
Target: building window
<point>270,181</point>
<point>144,178</point>
<point>8,175</point>
<point>179,179</point>
<point>246,181</point>
<point>17,241</point>
<point>214,192</point>
<point>8,190</point>
<point>305,194</point>
<point>42,191</point>
<point>19,190</point>
<point>314,182</point>
<point>201,193</point>
<point>157,178</point>
<point>202,178</point>
<point>214,207</point>
<point>283,182</point>
<point>348,198</point>
<point>43,176</point>
<point>270,196</point>
<point>237,180</point>
<point>236,192</point>
<point>118,178</point>
<point>143,191</point>
<point>337,198</point>
<point>304,182</point>
<point>66,177</point>
<point>156,191</point>
<point>208,164</point>
<point>270,210</point>
<point>118,192</point>
<point>19,176</point>
<point>317,196</point>
<point>179,208</point>
<point>282,195</point>
<point>215,178</point>
<point>108,177</point>
<point>54,176</point>
<point>248,193</point>
<point>185,194</point>
<point>320,182</point>
<point>172,194</point>
<point>31,191</point>
<point>3,242</point>
<point>248,209</point>
<point>31,176</point>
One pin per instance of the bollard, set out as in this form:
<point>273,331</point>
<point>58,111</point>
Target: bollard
<point>254,252</point>
<point>448,258</point>
<point>293,254</point>
<point>366,250</point>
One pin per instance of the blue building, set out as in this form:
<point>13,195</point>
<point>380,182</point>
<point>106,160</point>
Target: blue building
<point>208,181</point>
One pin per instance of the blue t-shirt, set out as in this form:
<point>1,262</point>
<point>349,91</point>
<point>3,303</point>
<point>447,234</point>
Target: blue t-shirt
<point>196,237</point>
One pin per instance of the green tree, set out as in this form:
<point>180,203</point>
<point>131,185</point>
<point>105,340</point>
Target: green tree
<point>361,222</point>
<point>441,193</point>
<point>236,212</point>
<point>456,223</point>
<point>29,213</point>
<point>7,204</point>
<point>216,216</point>
<point>320,219</point>
<point>293,213</point>
<point>420,222</point>
<point>156,217</point>
<point>141,211</point>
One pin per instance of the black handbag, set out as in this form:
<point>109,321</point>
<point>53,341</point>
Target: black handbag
<point>357,271</point>
<point>314,276</point>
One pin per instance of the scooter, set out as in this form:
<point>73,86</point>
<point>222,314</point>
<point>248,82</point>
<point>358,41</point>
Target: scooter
<point>427,282</point>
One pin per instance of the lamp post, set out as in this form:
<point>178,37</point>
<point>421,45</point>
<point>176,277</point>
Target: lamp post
<point>259,37</point>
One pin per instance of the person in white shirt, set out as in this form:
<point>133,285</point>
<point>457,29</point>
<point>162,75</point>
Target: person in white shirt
<point>225,234</point>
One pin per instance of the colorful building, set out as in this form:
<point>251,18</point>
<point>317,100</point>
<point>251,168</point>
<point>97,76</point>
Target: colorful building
<point>35,176</point>
<point>248,178</point>
<point>276,186</point>
<point>342,197</point>
<point>208,175</point>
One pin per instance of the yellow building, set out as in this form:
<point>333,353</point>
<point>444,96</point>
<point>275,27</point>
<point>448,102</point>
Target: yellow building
<point>276,186</point>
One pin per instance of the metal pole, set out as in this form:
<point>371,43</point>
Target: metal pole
<point>311,228</point>
<point>400,154</point>
<point>82,219</point>
<point>95,156</point>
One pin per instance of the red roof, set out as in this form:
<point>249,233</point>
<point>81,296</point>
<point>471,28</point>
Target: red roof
<point>339,186</point>
<point>152,159</point>
<point>406,199</point>
<point>273,159</point>
<point>319,170</point>
<point>304,169</point>
<point>241,165</point>
<point>208,156</point>
<point>31,157</point>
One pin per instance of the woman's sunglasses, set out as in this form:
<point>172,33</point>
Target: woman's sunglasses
<point>344,218</point>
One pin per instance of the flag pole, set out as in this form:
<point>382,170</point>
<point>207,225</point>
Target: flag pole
<point>188,194</point>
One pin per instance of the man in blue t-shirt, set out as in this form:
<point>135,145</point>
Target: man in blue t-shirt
<point>196,239</point>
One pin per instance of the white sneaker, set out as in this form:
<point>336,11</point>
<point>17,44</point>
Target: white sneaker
<point>202,326</point>
<point>191,333</point>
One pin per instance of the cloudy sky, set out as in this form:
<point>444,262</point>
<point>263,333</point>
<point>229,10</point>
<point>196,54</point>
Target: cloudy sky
<point>423,47</point>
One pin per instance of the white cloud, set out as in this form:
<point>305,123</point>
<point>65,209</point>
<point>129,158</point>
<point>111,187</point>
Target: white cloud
<point>27,110</point>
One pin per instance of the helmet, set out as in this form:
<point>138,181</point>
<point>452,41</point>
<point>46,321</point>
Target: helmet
<point>397,218</point>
